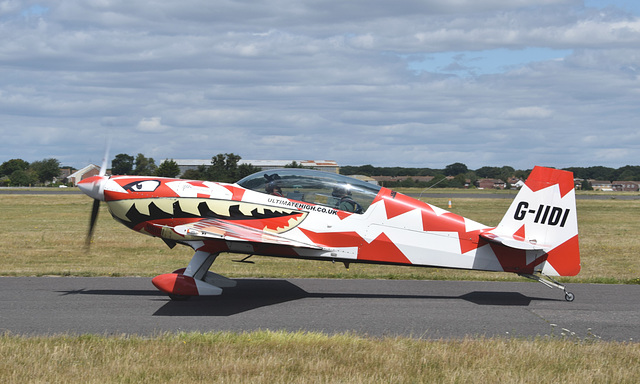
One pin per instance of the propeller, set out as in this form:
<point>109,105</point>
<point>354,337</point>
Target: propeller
<point>92,222</point>
<point>94,187</point>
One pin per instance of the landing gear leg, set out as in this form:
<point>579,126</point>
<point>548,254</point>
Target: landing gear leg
<point>195,280</point>
<point>200,264</point>
<point>551,283</point>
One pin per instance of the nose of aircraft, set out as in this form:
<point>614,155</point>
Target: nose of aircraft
<point>93,187</point>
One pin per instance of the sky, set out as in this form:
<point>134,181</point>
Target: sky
<point>410,83</point>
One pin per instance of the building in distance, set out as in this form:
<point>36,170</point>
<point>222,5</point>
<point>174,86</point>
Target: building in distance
<point>321,165</point>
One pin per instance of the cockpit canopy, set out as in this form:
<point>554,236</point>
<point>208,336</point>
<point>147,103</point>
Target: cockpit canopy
<point>316,187</point>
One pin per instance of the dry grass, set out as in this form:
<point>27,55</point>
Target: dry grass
<point>280,357</point>
<point>44,235</point>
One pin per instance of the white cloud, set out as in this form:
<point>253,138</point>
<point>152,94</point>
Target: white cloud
<point>301,80</point>
<point>151,125</point>
<point>528,113</point>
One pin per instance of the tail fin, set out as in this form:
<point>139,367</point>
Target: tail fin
<point>543,216</point>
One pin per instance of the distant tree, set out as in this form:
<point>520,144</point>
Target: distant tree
<point>594,173</point>
<point>202,169</point>
<point>427,172</point>
<point>523,175</point>
<point>602,173</point>
<point>458,181</point>
<point>506,172</point>
<point>367,170</point>
<point>350,170</point>
<point>408,183</point>
<point>488,172</point>
<point>586,186</point>
<point>294,164</point>
<point>168,168</point>
<point>245,170</point>
<point>10,166</point>
<point>455,169</point>
<point>23,178</point>
<point>224,168</point>
<point>501,173</point>
<point>578,172</point>
<point>46,170</point>
<point>122,164</point>
<point>628,173</point>
<point>370,170</point>
<point>191,174</point>
<point>144,165</point>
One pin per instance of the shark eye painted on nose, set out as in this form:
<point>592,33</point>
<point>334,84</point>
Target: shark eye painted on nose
<point>142,186</point>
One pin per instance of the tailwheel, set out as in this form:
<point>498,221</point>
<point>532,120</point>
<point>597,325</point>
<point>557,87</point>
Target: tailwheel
<point>551,283</point>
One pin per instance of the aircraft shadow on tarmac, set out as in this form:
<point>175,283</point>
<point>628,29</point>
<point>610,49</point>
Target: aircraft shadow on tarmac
<point>113,292</point>
<point>251,294</point>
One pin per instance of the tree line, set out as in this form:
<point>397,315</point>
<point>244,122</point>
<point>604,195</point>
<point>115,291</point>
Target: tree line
<point>226,167</point>
<point>457,175</point>
<point>140,165</point>
<point>17,172</point>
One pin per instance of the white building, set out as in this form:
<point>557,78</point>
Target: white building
<point>321,165</point>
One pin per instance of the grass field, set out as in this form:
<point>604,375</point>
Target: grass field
<point>280,357</point>
<point>44,235</point>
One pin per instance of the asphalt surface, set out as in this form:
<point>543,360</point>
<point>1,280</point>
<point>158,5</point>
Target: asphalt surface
<point>426,309</point>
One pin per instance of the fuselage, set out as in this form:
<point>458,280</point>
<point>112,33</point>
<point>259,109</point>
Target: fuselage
<point>303,220</point>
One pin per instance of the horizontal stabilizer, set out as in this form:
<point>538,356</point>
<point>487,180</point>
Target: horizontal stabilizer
<point>510,242</point>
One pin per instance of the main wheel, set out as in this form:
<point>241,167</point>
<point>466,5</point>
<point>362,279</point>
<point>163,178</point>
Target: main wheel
<point>175,297</point>
<point>569,296</point>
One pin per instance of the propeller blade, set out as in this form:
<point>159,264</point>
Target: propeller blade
<point>103,167</point>
<point>92,221</point>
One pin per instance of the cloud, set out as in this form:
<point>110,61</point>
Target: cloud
<point>410,83</point>
<point>528,113</point>
<point>151,125</point>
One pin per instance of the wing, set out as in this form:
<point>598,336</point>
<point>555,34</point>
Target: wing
<point>235,231</point>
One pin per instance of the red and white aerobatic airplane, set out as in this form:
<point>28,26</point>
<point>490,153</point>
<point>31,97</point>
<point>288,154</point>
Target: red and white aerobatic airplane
<point>307,214</point>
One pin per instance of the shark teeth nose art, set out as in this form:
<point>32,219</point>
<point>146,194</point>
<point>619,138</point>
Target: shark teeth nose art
<point>132,212</point>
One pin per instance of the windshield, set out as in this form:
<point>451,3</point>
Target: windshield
<point>316,187</point>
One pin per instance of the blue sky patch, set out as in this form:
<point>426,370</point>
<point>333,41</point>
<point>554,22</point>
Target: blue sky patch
<point>470,63</point>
